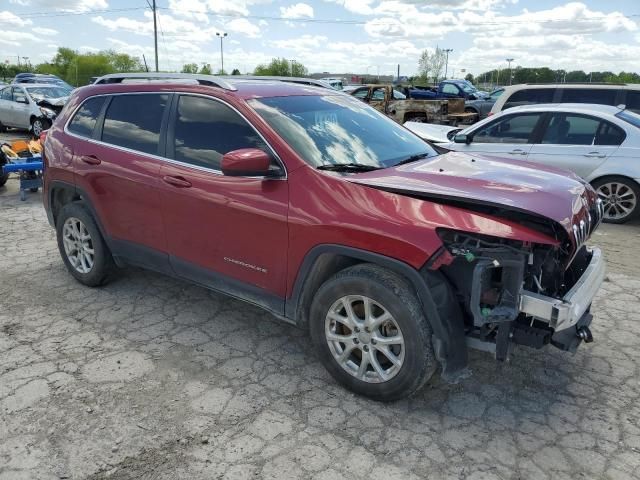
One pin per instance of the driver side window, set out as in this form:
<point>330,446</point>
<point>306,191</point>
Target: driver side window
<point>18,93</point>
<point>378,94</point>
<point>450,89</point>
<point>509,129</point>
<point>361,93</point>
<point>5,94</point>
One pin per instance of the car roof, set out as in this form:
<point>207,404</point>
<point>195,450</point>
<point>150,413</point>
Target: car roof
<point>595,86</point>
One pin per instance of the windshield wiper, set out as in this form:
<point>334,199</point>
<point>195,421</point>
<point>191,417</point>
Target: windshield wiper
<point>412,158</point>
<point>347,167</point>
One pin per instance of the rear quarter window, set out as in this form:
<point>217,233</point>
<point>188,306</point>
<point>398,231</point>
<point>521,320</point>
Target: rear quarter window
<point>633,101</point>
<point>85,118</point>
<point>600,96</point>
<point>529,96</point>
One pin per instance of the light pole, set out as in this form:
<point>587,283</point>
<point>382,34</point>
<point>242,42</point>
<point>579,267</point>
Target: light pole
<point>221,35</point>
<point>446,65</point>
<point>510,60</point>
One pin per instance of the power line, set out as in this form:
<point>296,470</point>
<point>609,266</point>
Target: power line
<point>48,14</point>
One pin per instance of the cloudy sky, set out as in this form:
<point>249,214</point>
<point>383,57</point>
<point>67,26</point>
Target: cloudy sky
<point>334,35</point>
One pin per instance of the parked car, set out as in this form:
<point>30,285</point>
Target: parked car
<point>334,82</point>
<point>320,209</point>
<point>598,142</point>
<point>448,89</point>
<point>614,94</point>
<point>482,107</point>
<point>31,106</point>
<point>395,104</point>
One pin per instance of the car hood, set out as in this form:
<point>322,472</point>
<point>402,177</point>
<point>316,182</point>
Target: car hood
<point>433,133</point>
<point>56,102</point>
<point>499,184</point>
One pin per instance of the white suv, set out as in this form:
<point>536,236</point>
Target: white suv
<point>627,94</point>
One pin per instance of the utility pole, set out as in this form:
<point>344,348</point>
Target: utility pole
<point>222,35</point>
<point>446,65</point>
<point>155,33</point>
<point>510,76</point>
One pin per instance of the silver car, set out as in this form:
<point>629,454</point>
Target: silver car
<point>600,143</point>
<point>31,106</point>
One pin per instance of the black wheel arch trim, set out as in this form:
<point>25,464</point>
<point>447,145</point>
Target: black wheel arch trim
<point>448,333</point>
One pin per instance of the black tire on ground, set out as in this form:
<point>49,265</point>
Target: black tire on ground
<point>3,179</point>
<point>39,125</point>
<point>103,262</point>
<point>398,297</point>
<point>631,188</point>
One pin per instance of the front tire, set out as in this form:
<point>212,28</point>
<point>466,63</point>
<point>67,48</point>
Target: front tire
<point>621,197</point>
<point>371,334</point>
<point>83,250</point>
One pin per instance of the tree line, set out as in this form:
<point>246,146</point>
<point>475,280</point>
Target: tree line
<point>78,68</point>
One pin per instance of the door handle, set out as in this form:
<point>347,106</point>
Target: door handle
<point>517,151</point>
<point>176,181</point>
<point>90,159</point>
<point>595,155</point>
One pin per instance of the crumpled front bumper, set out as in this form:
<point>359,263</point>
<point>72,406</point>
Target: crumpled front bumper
<point>566,312</point>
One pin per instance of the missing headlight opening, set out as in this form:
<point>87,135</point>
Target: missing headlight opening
<point>490,275</point>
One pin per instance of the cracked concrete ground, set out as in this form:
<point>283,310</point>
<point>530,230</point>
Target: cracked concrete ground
<point>152,378</point>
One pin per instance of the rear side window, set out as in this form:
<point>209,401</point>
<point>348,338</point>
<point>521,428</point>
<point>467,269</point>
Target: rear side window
<point>529,96</point>
<point>204,130</point>
<point>567,129</point>
<point>601,96</point>
<point>84,120</point>
<point>6,94</point>
<point>133,121</point>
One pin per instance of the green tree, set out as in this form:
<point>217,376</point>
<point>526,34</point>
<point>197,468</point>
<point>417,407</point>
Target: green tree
<point>469,78</point>
<point>431,64</point>
<point>235,71</point>
<point>206,69</point>
<point>190,68</point>
<point>281,67</point>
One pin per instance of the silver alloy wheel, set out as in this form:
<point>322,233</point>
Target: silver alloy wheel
<point>364,339</point>
<point>37,127</point>
<point>78,245</point>
<point>619,200</point>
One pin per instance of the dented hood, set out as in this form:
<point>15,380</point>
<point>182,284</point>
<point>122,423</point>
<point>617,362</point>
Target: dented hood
<point>479,179</point>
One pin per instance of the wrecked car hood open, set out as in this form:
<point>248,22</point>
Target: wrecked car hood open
<point>462,178</point>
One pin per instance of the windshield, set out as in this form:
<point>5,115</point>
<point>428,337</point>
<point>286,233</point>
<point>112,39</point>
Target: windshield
<point>468,88</point>
<point>338,129</point>
<point>629,117</point>
<point>48,92</point>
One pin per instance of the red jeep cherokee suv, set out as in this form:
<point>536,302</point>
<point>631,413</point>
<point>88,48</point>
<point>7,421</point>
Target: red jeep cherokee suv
<point>316,207</point>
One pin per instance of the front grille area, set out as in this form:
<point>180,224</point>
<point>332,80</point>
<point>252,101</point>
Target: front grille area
<point>583,229</point>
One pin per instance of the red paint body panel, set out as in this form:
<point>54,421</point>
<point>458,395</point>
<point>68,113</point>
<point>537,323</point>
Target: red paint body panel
<point>258,231</point>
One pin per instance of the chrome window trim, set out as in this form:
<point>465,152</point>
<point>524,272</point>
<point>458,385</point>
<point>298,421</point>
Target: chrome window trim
<point>170,160</point>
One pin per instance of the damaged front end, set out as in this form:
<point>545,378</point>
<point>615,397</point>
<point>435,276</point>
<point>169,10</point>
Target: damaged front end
<point>514,292</point>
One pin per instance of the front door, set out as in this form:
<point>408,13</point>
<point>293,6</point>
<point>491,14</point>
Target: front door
<point>21,111</point>
<point>579,143</point>
<point>229,233</point>
<point>509,136</point>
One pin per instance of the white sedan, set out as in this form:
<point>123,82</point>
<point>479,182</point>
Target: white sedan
<point>600,143</point>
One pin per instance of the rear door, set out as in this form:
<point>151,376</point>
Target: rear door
<point>118,169</point>
<point>507,136</point>
<point>229,233</point>
<point>575,142</point>
<point>6,106</point>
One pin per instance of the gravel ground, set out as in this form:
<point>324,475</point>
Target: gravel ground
<point>152,378</point>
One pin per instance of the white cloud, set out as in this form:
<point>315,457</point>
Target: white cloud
<point>244,27</point>
<point>12,20</point>
<point>44,31</point>
<point>65,5</point>
<point>298,10</point>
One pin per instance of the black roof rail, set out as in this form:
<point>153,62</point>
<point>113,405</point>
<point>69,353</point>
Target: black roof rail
<point>209,80</point>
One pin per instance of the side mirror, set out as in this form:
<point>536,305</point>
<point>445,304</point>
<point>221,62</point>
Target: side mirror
<point>246,162</point>
<point>462,138</point>
<point>22,99</point>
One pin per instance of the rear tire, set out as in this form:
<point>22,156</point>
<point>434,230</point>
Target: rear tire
<point>621,197</point>
<point>386,354</point>
<point>475,118</point>
<point>83,250</point>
